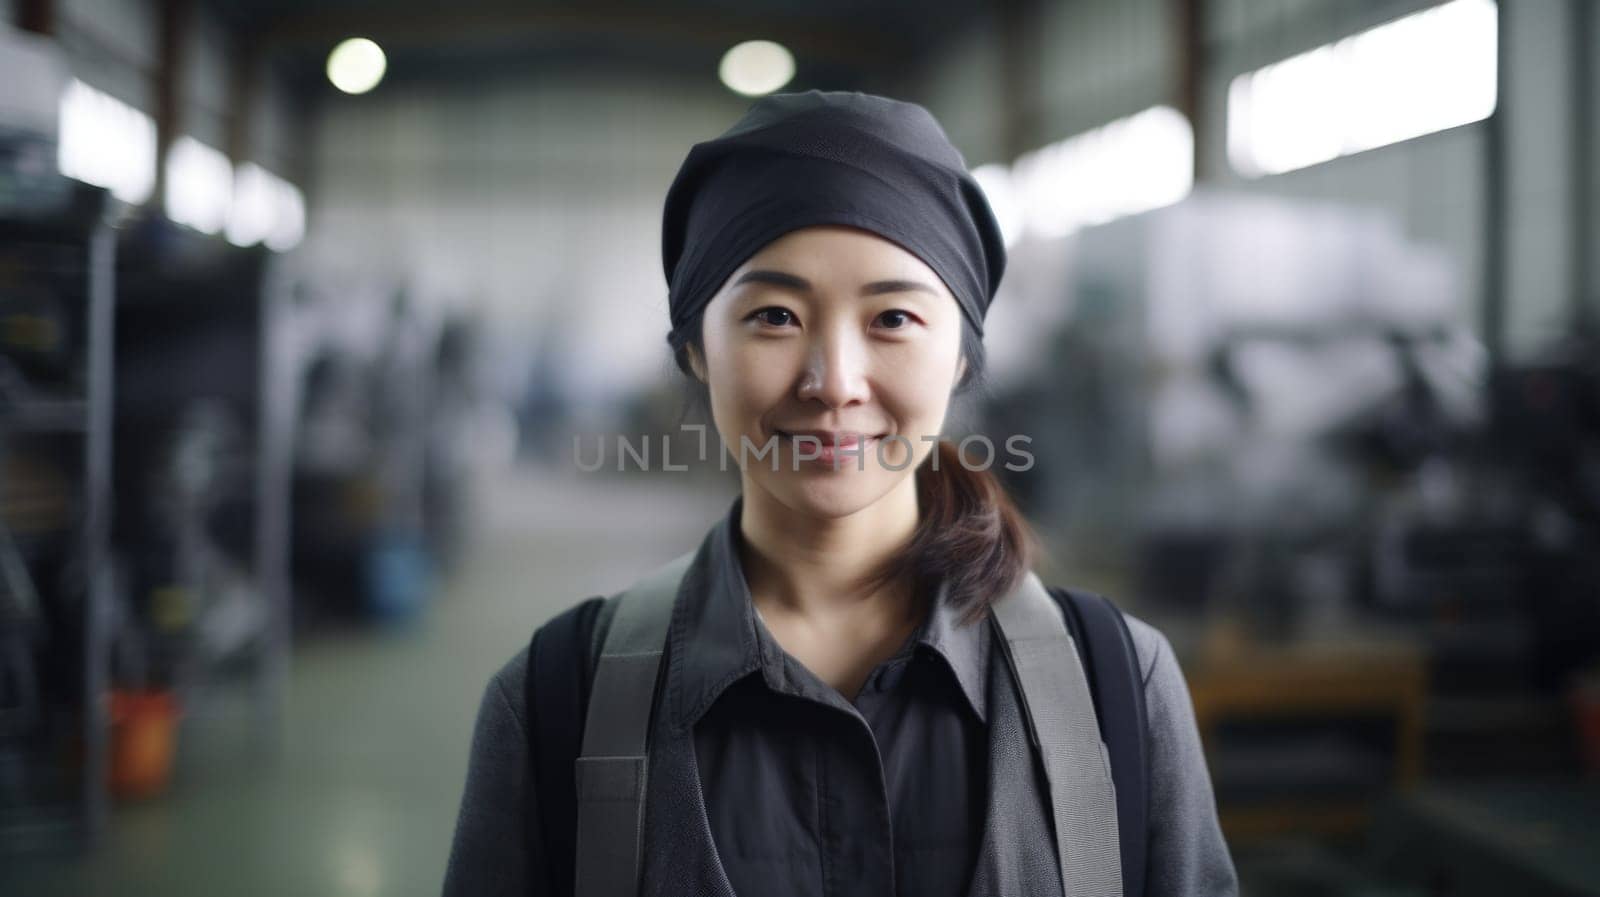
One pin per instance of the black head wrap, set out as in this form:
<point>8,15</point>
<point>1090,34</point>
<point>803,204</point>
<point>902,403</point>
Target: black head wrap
<point>801,159</point>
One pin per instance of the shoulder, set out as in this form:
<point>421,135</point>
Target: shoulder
<point>1151,649</point>
<point>558,645</point>
<point>1187,852</point>
<point>1150,646</point>
<point>1168,703</point>
<point>507,687</point>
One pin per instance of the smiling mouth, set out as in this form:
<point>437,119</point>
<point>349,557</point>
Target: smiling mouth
<point>826,442</point>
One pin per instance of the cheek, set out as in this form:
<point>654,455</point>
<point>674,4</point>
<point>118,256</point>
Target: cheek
<point>920,407</point>
<point>748,379</point>
<point>915,387</point>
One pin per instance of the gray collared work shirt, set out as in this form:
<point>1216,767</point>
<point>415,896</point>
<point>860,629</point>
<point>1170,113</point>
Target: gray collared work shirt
<point>766,781</point>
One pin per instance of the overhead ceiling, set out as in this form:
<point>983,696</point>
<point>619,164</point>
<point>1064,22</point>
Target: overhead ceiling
<point>837,43</point>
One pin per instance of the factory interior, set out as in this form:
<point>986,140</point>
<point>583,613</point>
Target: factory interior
<point>314,314</point>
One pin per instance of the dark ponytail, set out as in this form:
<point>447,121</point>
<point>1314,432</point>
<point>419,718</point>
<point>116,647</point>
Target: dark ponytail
<point>971,536</point>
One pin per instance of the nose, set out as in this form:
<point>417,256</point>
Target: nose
<point>836,370</point>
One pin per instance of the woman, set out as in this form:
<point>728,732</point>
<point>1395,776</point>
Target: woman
<point>837,711</point>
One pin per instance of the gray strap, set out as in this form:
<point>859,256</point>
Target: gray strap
<point>612,765</point>
<point>1061,719</point>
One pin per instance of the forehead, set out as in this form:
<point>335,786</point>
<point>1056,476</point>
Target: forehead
<point>837,253</point>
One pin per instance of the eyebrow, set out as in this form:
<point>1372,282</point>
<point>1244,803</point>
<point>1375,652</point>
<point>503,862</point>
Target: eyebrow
<point>794,282</point>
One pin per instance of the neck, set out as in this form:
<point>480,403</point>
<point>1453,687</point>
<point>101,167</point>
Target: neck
<point>806,566</point>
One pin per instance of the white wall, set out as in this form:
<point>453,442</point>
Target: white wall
<point>537,199</point>
<point>114,46</point>
<point>1433,185</point>
<point>1097,60</point>
<point>207,82</point>
<point>1540,198</point>
<point>967,83</point>
<point>1102,60</point>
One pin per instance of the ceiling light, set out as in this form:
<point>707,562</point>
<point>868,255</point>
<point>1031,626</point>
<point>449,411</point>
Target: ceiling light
<point>356,65</point>
<point>756,67</point>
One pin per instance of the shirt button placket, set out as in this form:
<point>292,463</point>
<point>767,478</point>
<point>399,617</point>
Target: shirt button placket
<point>859,834</point>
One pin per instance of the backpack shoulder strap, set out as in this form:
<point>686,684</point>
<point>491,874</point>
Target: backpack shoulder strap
<point>559,671</point>
<point>611,770</point>
<point>565,651</point>
<point>1064,728</point>
<point>1101,633</point>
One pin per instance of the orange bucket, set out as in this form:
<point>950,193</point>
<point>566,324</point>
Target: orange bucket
<point>144,739</point>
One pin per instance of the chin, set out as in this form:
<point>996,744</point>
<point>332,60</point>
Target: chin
<point>827,494</point>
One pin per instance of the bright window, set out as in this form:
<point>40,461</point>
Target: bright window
<point>1423,73</point>
<point>199,185</point>
<point>266,208</point>
<point>106,142</point>
<point>1134,164</point>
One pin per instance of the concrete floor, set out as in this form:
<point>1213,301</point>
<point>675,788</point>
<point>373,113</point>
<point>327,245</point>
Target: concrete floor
<point>360,795</point>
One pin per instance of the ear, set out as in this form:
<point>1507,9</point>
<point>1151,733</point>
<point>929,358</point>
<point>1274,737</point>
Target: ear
<point>961,368</point>
<point>696,363</point>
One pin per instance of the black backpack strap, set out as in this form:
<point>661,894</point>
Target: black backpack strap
<point>561,659</point>
<point>1112,665</point>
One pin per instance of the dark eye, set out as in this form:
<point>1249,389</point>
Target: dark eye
<point>774,316</point>
<point>895,319</point>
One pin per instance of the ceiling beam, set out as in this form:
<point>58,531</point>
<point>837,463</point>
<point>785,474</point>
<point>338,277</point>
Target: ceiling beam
<point>1189,18</point>
<point>871,48</point>
<point>37,16</point>
<point>175,20</point>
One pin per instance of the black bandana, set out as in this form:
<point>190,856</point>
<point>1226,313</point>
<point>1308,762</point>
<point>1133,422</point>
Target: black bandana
<point>801,159</point>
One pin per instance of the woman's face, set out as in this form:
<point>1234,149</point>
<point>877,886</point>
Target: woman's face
<point>830,331</point>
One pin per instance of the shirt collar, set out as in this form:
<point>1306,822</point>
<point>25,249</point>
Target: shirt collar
<point>716,638</point>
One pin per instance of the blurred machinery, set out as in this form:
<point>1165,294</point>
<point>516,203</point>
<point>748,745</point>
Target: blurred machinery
<point>56,282</point>
<point>389,412</point>
<point>457,410</point>
<point>1377,552</point>
<point>240,428</point>
<point>204,430</point>
<point>34,72</point>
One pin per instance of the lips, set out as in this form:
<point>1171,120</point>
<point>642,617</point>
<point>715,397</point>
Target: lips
<point>830,438</point>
